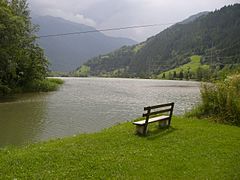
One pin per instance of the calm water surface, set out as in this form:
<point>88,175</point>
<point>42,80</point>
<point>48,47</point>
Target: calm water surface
<point>84,105</point>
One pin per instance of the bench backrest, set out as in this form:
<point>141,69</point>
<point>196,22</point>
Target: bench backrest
<point>158,109</point>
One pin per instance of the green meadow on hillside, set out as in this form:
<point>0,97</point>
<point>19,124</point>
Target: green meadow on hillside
<point>190,69</point>
<point>190,149</point>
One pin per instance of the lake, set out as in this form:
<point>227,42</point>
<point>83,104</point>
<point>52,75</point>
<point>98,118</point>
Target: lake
<point>85,105</point>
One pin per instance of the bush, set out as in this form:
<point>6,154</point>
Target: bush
<point>4,90</point>
<point>221,101</point>
<point>45,85</point>
<point>55,80</point>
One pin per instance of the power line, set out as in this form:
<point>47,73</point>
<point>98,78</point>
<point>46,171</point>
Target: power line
<point>233,45</point>
<point>223,57</point>
<point>220,50</point>
<point>104,30</point>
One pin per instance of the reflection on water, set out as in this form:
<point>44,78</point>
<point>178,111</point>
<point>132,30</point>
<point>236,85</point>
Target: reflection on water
<point>21,118</point>
<point>87,105</point>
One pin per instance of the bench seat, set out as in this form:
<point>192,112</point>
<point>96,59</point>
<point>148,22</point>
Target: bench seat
<point>151,120</point>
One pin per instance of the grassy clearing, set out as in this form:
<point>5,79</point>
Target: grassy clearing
<point>190,149</point>
<point>192,67</point>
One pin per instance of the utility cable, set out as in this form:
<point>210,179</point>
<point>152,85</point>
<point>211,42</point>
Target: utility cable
<point>104,30</point>
<point>223,57</point>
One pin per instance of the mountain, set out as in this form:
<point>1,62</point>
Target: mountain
<point>215,36</point>
<point>65,53</point>
<point>194,17</point>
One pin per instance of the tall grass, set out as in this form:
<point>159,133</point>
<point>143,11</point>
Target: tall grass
<point>4,90</point>
<point>41,85</point>
<point>220,101</point>
<point>45,85</point>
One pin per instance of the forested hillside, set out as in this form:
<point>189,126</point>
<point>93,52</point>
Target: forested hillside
<point>215,36</point>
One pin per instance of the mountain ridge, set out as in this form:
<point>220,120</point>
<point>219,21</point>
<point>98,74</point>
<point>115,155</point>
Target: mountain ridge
<point>194,17</point>
<point>207,35</point>
<point>65,53</point>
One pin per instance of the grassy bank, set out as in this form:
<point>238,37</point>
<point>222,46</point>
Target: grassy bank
<point>45,85</point>
<point>190,149</point>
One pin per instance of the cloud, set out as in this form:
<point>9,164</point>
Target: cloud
<point>75,17</point>
<point>109,13</point>
<point>69,10</point>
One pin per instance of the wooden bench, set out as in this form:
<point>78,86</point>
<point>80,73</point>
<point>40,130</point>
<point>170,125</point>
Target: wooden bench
<point>155,116</point>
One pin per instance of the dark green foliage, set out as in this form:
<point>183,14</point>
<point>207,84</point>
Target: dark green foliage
<point>174,75</point>
<point>181,75</point>
<point>163,76</point>
<point>107,64</point>
<point>193,70</point>
<point>170,76</point>
<point>57,74</point>
<point>222,73</point>
<point>202,74</point>
<point>221,101</point>
<point>215,36</point>
<point>22,60</point>
<point>4,89</point>
<point>56,81</point>
<point>44,85</point>
<point>83,71</point>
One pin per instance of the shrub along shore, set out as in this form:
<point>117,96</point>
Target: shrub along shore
<point>44,85</point>
<point>220,100</point>
<point>23,67</point>
<point>48,84</point>
<point>190,148</point>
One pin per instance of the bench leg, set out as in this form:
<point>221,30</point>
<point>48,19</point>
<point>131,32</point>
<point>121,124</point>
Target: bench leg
<point>141,130</point>
<point>164,123</point>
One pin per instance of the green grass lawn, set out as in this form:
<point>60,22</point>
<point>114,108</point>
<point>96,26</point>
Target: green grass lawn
<point>192,66</point>
<point>190,149</point>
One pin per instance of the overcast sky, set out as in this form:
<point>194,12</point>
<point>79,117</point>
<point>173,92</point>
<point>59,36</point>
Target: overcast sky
<point>119,13</point>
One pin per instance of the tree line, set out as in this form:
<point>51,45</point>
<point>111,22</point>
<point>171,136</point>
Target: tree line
<point>22,62</point>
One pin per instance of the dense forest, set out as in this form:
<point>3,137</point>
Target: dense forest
<point>23,65</point>
<point>214,36</point>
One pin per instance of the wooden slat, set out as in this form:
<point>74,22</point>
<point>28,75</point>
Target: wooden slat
<point>158,106</point>
<point>152,120</point>
<point>157,112</point>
